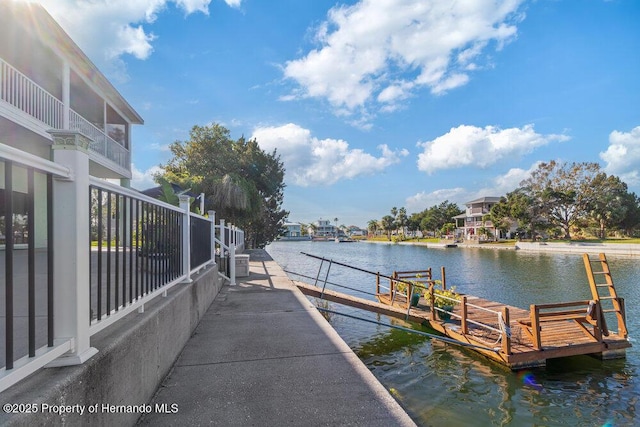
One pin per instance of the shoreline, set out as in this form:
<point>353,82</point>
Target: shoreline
<point>612,249</point>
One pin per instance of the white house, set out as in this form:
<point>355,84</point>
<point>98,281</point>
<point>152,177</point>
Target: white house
<point>48,84</point>
<point>323,229</point>
<point>64,129</point>
<point>293,231</point>
<point>469,223</point>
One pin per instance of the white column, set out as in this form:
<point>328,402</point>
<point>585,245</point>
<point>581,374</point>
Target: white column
<point>232,265</point>
<point>66,94</point>
<point>212,218</point>
<point>186,237</point>
<point>71,252</point>
<point>222,239</point>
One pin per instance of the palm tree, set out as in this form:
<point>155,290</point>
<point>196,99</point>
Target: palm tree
<point>394,213</point>
<point>402,219</point>
<point>314,228</point>
<point>233,196</point>
<point>231,193</point>
<point>387,224</point>
<point>336,221</point>
<point>372,226</point>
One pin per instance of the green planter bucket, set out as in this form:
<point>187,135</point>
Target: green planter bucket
<point>415,299</point>
<point>445,315</point>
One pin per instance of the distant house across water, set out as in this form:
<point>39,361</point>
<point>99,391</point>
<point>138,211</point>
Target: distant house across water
<point>470,225</point>
<point>293,231</point>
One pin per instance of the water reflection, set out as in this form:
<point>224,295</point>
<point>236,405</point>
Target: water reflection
<point>441,384</point>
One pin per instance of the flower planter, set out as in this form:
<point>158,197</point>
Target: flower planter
<point>445,315</point>
<point>415,299</point>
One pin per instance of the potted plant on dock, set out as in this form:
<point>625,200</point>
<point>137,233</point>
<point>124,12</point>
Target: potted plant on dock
<point>445,300</point>
<point>416,291</point>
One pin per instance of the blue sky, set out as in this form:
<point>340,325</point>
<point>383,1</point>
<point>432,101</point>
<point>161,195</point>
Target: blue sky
<point>380,103</point>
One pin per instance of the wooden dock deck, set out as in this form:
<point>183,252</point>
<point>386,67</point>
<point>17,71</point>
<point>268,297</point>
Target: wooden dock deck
<point>512,336</point>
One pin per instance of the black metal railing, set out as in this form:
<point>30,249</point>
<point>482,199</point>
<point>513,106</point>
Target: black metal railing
<point>200,241</point>
<point>26,231</point>
<point>136,248</point>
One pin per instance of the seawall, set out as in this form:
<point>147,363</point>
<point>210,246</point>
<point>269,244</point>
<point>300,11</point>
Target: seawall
<point>611,249</point>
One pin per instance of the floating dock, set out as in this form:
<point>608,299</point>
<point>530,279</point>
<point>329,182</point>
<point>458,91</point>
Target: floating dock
<point>512,336</point>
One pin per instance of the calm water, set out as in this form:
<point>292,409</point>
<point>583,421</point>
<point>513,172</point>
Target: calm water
<point>441,384</point>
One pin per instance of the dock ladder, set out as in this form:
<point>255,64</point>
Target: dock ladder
<point>605,292</point>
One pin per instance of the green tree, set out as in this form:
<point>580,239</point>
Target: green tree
<point>372,226</point>
<point>448,228</point>
<point>434,218</point>
<point>608,208</point>
<point>520,208</point>
<point>401,219</point>
<point>562,192</point>
<point>429,221</point>
<point>242,183</point>
<point>388,224</point>
<point>167,194</point>
<point>394,214</point>
<point>413,223</point>
<point>631,220</point>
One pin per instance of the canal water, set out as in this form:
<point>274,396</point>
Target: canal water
<point>442,384</point>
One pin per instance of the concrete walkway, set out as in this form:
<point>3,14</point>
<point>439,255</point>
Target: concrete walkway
<point>264,356</point>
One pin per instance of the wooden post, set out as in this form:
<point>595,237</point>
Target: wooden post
<point>597,329</point>
<point>432,303</point>
<point>444,279</point>
<point>623,332</point>
<point>535,327</point>
<point>506,334</point>
<point>392,286</point>
<point>463,320</point>
<point>378,283</point>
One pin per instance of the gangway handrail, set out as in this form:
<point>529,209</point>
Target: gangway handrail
<point>502,318</point>
<point>357,268</point>
<point>331,283</point>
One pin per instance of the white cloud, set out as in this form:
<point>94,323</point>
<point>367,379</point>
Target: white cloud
<point>481,147</point>
<point>159,147</point>
<point>423,200</point>
<point>233,3</point>
<point>311,161</point>
<point>503,184</point>
<point>107,29</point>
<point>383,50</point>
<point>499,186</point>
<point>623,155</point>
<point>142,180</point>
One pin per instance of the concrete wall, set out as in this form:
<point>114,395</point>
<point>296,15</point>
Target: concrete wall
<point>619,249</point>
<point>135,355</point>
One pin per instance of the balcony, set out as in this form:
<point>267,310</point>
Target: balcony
<point>18,92</point>
<point>477,210</point>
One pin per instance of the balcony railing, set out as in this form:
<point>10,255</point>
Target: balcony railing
<point>479,211</point>
<point>101,143</point>
<point>24,94</point>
